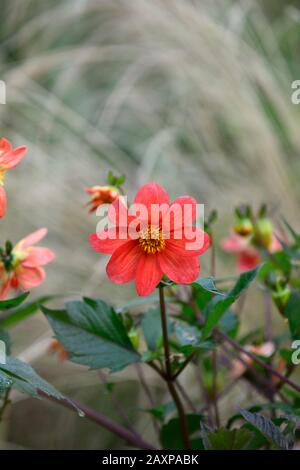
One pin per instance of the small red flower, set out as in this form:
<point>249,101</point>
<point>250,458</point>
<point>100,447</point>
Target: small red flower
<point>22,268</point>
<point>151,251</point>
<point>101,195</point>
<point>9,158</point>
<point>248,255</point>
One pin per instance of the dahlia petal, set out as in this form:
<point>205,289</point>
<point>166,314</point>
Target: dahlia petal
<point>13,157</point>
<point>234,244</point>
<point>152,194</point>
<point>248,260</point>
<point>122,265</point>
<point>30,277</point>
<point>5,146</point>
<point>148,274</point>
<point>92,189</point>
<point>118,213</point>
<point>109,244</point>
<point>182,270</point>
<point>33,238</point>
<point>38,256</point>
<point>2,201</point>
<point>275,245</point>
<point>190,246</point>
<point>5,288</point>
<point>182,213</point>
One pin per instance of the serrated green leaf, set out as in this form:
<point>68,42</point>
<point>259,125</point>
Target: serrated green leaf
<point>93,334</point>
<point>218,306</point>
<point>267,428</point>
<point>23,377</point>
<point>278,405</point>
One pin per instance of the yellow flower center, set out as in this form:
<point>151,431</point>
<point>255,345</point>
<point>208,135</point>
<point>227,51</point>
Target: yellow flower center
<point>151,240</point>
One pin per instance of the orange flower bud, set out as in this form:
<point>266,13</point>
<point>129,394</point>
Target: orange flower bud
<point>102,195</point>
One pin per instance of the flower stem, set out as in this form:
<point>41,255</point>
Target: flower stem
<point>168,372</point>
<point>5,403</point>
<point>215,388</point>
<point>132,438</point>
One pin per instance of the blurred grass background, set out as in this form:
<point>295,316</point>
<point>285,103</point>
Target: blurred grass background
<point>195,95</point>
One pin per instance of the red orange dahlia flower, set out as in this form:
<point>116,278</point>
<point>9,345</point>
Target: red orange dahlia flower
<point>9,158</point>
<point>101,195</point>
<point>155,238</point>
<point>21,267</point>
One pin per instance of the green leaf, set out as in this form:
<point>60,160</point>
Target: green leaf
<point>137,302</point>
<point>277,261</point>
<point>149,356</point>
<point>170,434</point>
<point>188,335</point>
<point>4,336</point>
<point>202,299</point>
<point>208,284</point>
<point>162,411</point>
<point>268,429</point>
<point>120,180</point>
<point>218,306</point>
<point>114,180</point>
<point>10,303</point>
<point>22,377</point>
<point>278,405</point>
<point>292,312</point>
<point>224,439</point>
<point>151,326</point>
<point>16,315</point>
<point>93,334</point>
<point>229,323</point>
<point>5,383</point>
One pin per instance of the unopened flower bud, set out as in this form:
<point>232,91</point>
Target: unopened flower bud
<point>243,227</point>
<point>134,337</point>
<point>101,195</point>
<point>263,231</point>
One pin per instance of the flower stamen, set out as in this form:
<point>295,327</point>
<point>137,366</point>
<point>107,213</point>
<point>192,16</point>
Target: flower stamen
<point>151,240</point>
